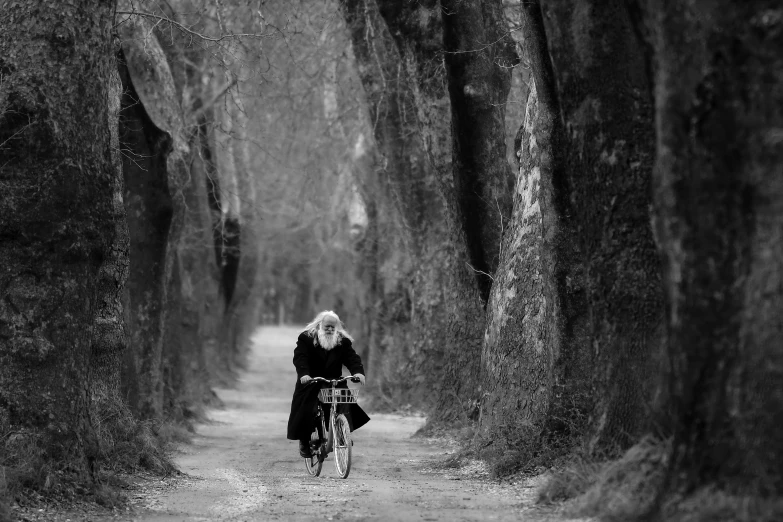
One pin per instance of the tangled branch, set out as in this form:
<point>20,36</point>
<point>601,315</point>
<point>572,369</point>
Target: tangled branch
<point>191,32</point>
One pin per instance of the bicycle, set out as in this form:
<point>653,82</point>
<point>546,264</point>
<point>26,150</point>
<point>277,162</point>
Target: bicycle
<point>338,437</point>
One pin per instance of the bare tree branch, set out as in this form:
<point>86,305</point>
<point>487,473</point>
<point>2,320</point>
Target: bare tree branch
<point>219,94</point>
<point>191,32</point>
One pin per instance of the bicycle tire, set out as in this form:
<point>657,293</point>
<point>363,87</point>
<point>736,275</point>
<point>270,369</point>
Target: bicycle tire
<point>342,446</point>
<point>314,463</point>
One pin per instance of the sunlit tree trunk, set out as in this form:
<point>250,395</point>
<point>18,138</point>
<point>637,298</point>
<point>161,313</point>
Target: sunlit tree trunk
<point>521,339</point>
<point>576,310</point>
<point>63,250</point>
<point>531,367</point>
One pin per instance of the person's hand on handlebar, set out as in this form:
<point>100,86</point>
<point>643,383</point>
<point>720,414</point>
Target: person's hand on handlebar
<point>360,377</point>
<point>305,379</point>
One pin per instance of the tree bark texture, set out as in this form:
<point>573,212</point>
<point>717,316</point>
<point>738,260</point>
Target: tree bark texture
<point>192,359</point>
<point>519,344</point>
<point>608,154</point>
<point>153,168</point>
<point>393,190</point>
<point>535,364</point>
<point>719,219</point>
<point>63,244</point>
<point>111,329</point>
<point>398,50</point>
<point>447,297</point>
<point>194,307</point>
<point>479,55</point>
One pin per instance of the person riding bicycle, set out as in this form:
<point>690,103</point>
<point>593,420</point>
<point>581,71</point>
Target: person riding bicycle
<point>321,350</point>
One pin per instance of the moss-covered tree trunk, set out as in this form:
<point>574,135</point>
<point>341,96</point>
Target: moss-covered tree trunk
<point>719,218</point>
<point>63,245</point>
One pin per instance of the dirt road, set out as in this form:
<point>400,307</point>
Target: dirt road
<point>241,467</point>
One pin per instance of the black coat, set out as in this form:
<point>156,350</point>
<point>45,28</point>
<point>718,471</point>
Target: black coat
<point>310,359</point>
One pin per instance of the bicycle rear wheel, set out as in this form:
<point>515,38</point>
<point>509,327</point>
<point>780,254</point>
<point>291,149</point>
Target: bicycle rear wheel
<point>342,446</point>
<point>314,463</point>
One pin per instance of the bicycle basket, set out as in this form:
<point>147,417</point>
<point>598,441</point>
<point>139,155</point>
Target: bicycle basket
<point>338,395</point>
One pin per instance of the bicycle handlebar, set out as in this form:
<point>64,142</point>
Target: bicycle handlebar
<point>335,381</point>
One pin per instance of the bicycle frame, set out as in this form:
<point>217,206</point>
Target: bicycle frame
<point>332,413</point>
<point>325,445</point>
<point>326,437</point>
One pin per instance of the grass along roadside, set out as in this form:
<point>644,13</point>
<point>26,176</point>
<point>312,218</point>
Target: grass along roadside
<point>35,474</point>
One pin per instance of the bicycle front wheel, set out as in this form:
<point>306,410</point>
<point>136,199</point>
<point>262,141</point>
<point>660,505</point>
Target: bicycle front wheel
<point>342,446</point>
<point>314,463</point>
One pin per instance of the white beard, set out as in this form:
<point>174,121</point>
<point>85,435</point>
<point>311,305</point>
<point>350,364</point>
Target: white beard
<point>326,341</point>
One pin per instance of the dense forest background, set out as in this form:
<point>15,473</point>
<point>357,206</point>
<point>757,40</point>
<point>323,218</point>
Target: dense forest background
<point>555,227</point>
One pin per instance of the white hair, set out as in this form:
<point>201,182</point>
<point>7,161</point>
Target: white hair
<point>314,327</point>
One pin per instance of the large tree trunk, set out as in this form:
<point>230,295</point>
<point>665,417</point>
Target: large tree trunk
<point>576,310</point>
<point>534,361</point>
<point>428,313</point>
<point>448,318</point>
<point>63,248</point>
<point>151,137</point>
<point>149,210</point>
<point>193,304</point>
<point>393,194</point>
<point>479,55</point>
<point>195,307</point>
<point>719,217</point>
<point>111,341</point>
<point>603,93</point>
<point>230,202</point>
<point>520,344</point>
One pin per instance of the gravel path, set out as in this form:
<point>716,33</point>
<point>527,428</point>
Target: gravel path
<point>240,467</point>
